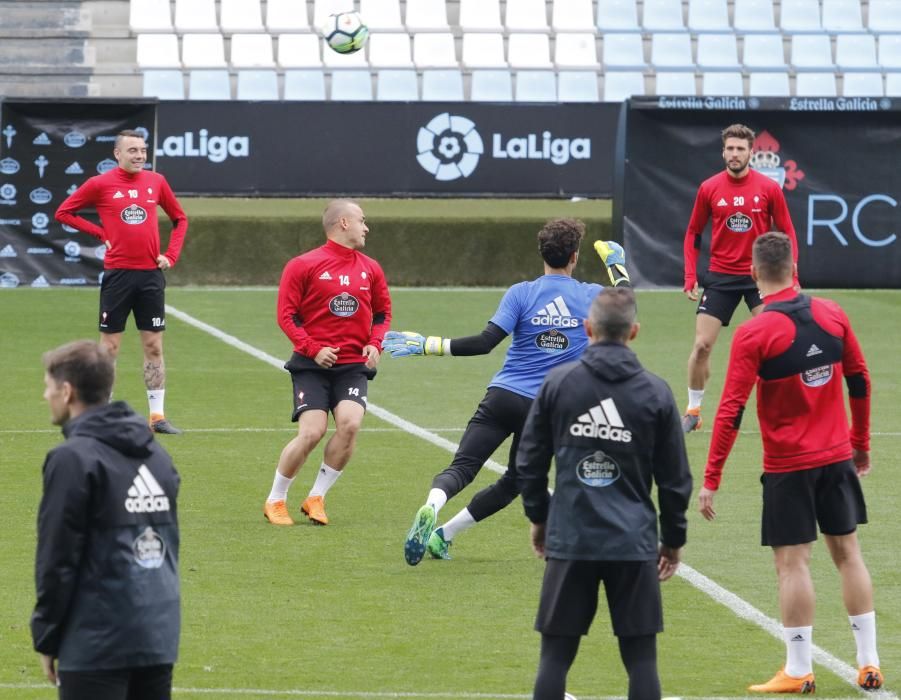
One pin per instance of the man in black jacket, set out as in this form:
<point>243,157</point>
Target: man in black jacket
<point>106,622</point>
<point>613,429</point>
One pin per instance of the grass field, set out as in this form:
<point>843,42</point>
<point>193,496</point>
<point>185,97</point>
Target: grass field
<point>335,612</point>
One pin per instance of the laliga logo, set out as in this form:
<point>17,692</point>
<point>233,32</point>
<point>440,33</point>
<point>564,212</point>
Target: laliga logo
<point>215,148</point>
<point>449,147</point>
<point>765,160</point>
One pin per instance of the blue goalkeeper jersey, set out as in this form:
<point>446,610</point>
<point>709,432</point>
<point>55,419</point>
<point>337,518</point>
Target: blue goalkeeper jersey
<point>545,318</point>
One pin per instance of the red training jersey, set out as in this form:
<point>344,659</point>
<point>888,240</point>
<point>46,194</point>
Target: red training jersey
<point>334,296</point>
<point>802,415</point>
<point>126,203</point>
<point>742,209</point>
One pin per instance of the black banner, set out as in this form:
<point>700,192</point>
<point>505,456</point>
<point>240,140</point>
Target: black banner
<point>46,151</point>
<point>834,158</point>
<point>381,149</point>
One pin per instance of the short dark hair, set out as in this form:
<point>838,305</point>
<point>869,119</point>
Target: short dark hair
<point>126,134</point>
<point>559,239</point>
<point>772,256</point>
<point>87,366</point>
<point>739,131</point>
<point>613,313</point>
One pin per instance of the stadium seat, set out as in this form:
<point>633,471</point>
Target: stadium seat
<point>856,52</point>
<point>286,16</point>
<point>708,16</point>
<point>149,16</point>
<point>442,86</point>
<point>480,16</point>
<point>305,85</point>
<point>352,86</point>
<point>842,16</point>
<point>764,52</point>
<point>390,51</point>
<point>800,17</point>
<point>893,84</point>
<point>718,52</point>
<point>726,83</point>
<point>426,16</point>
<point>862,85</point>
<point>812,52</point>
<point>671,51</point>
<point>617,16</point>
<point>890,52</point>
<point>621,85</point>
<point>491,86</point>
<point>257,85</point>
<point>195,16</point>
<point>536,86</point>
<point>884,16</point>
<point>663,16</point>
<point>769,84</point>
<point>240,16</point>
<point>434,51</point>
<point>157,51</point>
<point>203,51</point>
<point>483,50</point>
<point>164,84</point>
<point>623,52</point>
<point>209,85</point>
<point>577,86</point>
<point>529,51</point>
<point>323,8</point>
<point>576,51</point>
<point>526,16</point>
<point>572,16</point>
<point>397,86</point>
<point>675,83</point>
<point>299,51</point>
<point>815,85</point>
<point>753,16</point>
<point>382,15</point>
<point>333,59</point>
<point>251,51</point>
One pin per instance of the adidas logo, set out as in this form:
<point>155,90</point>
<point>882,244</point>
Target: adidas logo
<point>74,169</point>
<point>118,195</point>
<point>325,276</point>
<point>798,638</point>
<point>814,350</point>
<point>854,626</point>
<point>41,140</point>
<point>603,422</point>
<point>8,252</point>
<point>722,203</point>
<point>145,494</point>
<point>555,314</point>
<point>40,281</point>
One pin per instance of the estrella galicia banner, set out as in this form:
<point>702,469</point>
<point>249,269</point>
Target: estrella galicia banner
<point>833,158</point>
<point>435,149</point>
<point>48,149</point>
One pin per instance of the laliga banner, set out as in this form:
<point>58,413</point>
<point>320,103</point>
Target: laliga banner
<point>329,148</point>
<point>46,151</point>
<point>832,157</point>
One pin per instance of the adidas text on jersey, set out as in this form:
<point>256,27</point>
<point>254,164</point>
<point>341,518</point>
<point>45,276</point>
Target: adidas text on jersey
<point>602,422</point>
<point>145,494</point>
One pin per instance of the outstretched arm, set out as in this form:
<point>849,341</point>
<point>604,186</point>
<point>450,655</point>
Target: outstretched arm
<point>404,343</point>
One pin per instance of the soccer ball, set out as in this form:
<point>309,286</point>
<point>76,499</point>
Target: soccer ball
<point>345,32</point>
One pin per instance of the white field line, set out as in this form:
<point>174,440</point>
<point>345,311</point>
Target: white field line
<point>737,605</point>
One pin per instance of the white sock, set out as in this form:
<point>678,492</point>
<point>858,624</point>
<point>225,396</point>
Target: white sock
<point>280,486</point>
<point>695,396</point>
<point>155,398</point>
<point>460,522</point>
<point>798,645</point>
<point>325,479</point>
<point>864,629</point>
<point>437,498</point>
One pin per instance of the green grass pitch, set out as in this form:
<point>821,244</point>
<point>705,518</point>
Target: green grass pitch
<point>335,612</point>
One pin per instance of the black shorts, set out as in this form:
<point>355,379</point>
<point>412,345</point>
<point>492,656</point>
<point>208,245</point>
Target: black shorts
<point>124,291</point>
<point>324,387</point>
<point>723,293</point>
<point>569,597</point>
<point>794,503</point>
<point>142,683</point>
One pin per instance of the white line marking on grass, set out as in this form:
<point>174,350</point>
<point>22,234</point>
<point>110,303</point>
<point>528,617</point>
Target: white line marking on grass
<point>740,607</point>
<point>31,431</point>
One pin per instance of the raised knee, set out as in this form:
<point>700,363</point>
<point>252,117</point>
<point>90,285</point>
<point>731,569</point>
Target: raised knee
<point>703,347</point>
<point>347,427</point>
<point>311,435</point>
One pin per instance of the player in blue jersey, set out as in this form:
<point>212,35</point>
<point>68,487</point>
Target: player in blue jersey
<point>546,318</point>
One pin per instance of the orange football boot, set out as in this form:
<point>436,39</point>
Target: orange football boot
<point>276,512</point>
<point>870,678</point>
<point>784,683</point>
<point>314,507</point>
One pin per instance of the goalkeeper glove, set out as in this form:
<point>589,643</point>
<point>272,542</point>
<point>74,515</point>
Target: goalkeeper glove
<point>403,343</point>
<point>614,257</point>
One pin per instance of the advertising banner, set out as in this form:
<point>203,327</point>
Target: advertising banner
<point>46,151</point>
<point>833,157</point>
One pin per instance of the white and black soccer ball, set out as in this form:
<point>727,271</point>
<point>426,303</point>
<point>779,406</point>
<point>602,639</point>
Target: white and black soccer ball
<point>345,32</point>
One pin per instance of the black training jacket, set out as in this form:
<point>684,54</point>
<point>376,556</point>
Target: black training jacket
<point>107,556</point>
<point>613,429</point>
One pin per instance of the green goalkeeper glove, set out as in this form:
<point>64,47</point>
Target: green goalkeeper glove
<point>404,343</point>
<point>614,257</point>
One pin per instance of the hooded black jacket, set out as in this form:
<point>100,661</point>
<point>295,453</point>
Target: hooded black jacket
<point>107,555</point>
<point>613,429</point>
